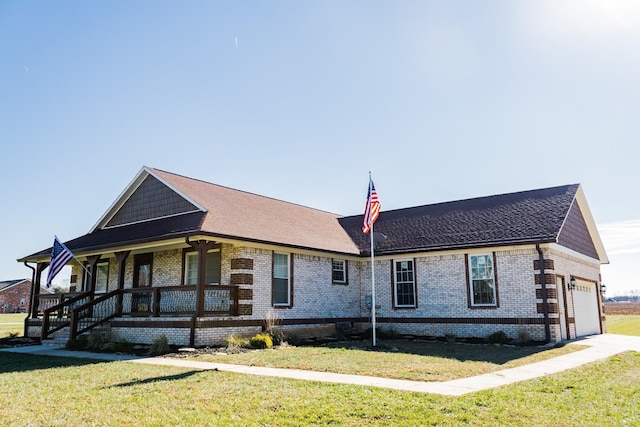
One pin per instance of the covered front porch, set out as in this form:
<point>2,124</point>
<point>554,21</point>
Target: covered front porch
<point>137,302</point>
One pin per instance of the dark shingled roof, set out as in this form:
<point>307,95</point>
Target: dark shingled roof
<point>251,217</point>
<point>8,283</point>
<point>515,218</point>
<point>509,219</point>
<point>160,229</point>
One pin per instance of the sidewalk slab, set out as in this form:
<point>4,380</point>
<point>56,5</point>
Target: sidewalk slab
<point>59,351</point>
<point>600,347</point>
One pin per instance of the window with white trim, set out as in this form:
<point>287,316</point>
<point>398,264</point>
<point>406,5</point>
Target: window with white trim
<point>212,270</point>
<point>339,271</point>
<point>102,277</point>
<point>482,280</point>
<point>281,280</point>
<point>404,283</point>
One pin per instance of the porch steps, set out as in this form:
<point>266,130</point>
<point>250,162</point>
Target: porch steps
<point>56,341</point>
<point>58,338</point>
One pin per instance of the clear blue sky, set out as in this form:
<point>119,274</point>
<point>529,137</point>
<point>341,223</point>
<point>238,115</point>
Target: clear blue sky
<point>299,100</point>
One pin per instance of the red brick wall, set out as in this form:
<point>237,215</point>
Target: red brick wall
<point>12,297</point>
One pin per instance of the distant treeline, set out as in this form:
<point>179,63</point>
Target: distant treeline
<point>631,296</point>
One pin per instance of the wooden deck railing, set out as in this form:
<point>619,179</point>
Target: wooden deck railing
<point>56,310</point>
<point>46,301</point>
<point>152,302</point>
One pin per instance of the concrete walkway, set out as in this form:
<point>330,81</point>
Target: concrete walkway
<point>600,347</point>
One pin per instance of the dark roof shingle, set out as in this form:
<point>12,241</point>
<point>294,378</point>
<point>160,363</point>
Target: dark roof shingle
<point>515,218</point>
<point>8,283</point>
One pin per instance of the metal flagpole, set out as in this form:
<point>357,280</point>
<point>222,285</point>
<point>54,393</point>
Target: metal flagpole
<point>373,275</point>
<point>82,265</point>
<point>373,290</point>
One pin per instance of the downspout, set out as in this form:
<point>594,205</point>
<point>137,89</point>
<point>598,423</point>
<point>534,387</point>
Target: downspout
<point>32,299</point>
<point>545,305</point>
<point>32,296</point>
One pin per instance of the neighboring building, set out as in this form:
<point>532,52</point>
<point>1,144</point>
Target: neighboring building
<point>198,262</point>
<point>14,296</point>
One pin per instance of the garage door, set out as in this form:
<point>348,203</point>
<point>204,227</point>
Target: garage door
<point>585,304</point>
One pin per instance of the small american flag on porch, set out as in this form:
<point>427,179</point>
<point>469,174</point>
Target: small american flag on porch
<point>60,255</point>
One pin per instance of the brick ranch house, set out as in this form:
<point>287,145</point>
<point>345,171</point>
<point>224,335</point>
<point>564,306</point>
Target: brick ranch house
<point>199,262</point>
<point>14,296</point>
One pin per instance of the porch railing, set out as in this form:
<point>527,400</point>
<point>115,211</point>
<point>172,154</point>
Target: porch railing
<point>152,302</point>
<point>46,301</point>
<point>57,308</point>
<point>179,300</point>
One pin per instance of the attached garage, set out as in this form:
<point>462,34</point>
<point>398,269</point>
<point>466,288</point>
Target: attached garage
<point>586,309</point>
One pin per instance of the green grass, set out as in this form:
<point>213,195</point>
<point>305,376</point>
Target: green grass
<point>623,324</point>
<point>402,359</point>
<point>12,324</point>
<point>38,391</point>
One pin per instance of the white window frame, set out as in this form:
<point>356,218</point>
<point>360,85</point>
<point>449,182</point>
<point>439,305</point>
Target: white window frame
<point>412,282</point>
<point>288,279</point>
<point>343,270</point>
<point>492,278</point>
<point>87,278</point>
<point>194,254</point>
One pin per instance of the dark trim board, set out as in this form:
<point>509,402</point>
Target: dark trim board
<point>162,324</point>
<point>466,320</point>
<point>227,323</point>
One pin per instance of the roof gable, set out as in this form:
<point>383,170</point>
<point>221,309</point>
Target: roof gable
<point>146,198</point>
<point>10,283</point>
<point>151,200</point>
<point>579,232</point>
<point>575,234</point>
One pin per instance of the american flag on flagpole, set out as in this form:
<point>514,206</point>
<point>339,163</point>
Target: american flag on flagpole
<point>372,210</point>
<point>60,255</point>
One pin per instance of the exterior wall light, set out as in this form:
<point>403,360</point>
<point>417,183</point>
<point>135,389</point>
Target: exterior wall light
<point>572,283</point>
<point>603,289</point>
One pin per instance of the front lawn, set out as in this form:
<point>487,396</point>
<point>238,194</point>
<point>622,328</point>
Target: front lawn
<point>12,324</point>
<point>623,324</point>
<point>38,390</point>
<point>418,360</point>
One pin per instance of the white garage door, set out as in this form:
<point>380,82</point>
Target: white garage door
<point>585,304</point>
